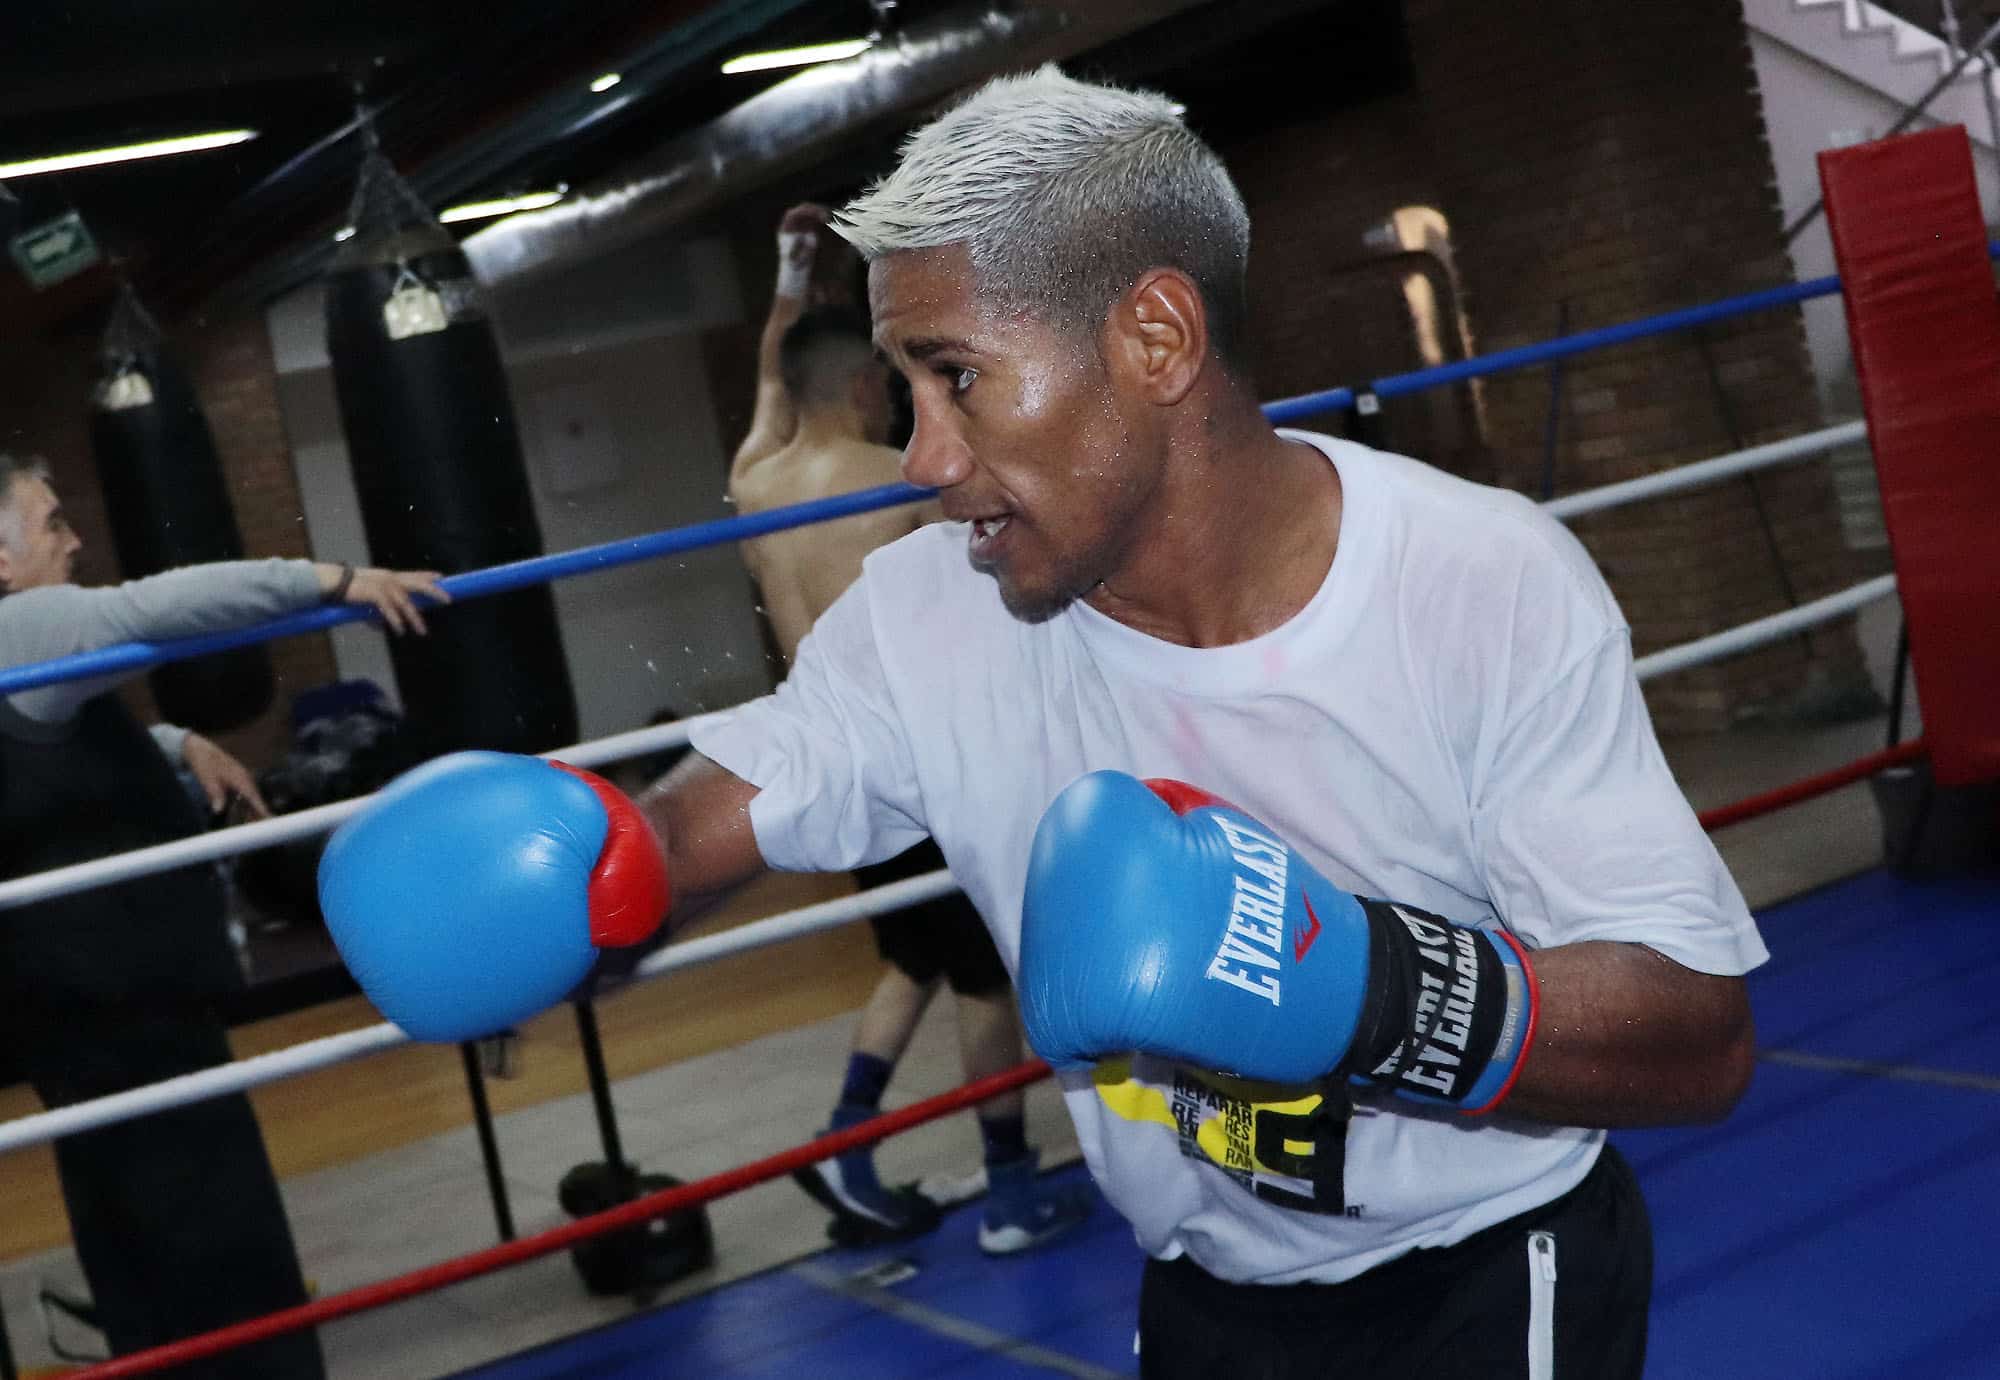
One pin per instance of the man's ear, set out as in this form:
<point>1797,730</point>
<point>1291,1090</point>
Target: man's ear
<point>1161,330</point>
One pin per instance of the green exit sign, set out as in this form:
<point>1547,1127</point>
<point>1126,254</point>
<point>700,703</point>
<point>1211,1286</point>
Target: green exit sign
<point>53,251</point>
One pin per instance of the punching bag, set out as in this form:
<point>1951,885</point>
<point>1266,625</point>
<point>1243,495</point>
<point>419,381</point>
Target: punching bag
<point>168,506</point>
<point>437,464</point>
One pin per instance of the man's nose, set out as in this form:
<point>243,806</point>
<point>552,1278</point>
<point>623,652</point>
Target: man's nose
<point>935,458</point>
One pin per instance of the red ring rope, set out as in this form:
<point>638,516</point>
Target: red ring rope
<point>547,1243</point>
<point>761,1171</point>
<point>1722,816</point>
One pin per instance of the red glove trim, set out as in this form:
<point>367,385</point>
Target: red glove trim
<point>1182,798</point>
<point>629,891</point>
<point>1527,1036</point>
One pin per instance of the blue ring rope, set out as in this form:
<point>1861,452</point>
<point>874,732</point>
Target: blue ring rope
<point>474,584</point>
<point>502,579</point>
<point>1397,385</point>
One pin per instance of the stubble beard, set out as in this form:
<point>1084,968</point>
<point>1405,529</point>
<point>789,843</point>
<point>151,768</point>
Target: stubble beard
<point>1040,605</point>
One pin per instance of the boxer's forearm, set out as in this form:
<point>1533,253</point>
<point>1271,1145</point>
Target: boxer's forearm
<point>701,814</point>
<point>1628,1037</point>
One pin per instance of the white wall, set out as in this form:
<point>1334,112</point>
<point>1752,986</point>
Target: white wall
<point>1810,105</point>
<point>1832,75</point>
<point>620,440</point>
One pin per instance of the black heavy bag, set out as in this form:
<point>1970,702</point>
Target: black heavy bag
<point>437,464</point>
<point>168,506</point>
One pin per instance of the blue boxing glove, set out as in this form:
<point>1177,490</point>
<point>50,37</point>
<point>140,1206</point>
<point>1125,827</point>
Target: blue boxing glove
<point>476,890</point>
<point>1162,920</point>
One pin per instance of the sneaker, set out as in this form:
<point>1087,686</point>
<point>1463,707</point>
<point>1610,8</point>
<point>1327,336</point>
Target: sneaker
<point>1023,1213</point>
<point>864,1212</point>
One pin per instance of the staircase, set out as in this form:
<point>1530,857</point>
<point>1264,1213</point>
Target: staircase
<point>1858,48</point>
<point>1870,45</point>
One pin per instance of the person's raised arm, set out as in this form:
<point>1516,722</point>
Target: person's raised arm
<point>774,418</point>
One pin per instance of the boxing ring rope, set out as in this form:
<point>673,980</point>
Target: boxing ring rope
<point>244,1074</point>
<point>312,1055</point>
<point>1758,632</point>
<point>1703,472</point>
<point>317,1054</point>
<point>1722,816</point>
<point>321,819</point>
<point>632,1214</point>
<point>1561,347</point>
<point>303,824</point>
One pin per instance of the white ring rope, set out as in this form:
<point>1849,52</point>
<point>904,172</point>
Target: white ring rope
<point>1700,472</point>
<point>1756,633</point>
<point>323,819</point>
<point>280,1064</point>
<point>316,1054</point>
<point>335,1049</point>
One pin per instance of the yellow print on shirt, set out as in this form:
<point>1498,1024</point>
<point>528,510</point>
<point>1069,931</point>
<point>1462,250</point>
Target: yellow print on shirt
<point>1285,1144</point>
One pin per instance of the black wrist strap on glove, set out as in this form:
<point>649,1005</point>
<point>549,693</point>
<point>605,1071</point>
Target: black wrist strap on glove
<point>1443,1001</point>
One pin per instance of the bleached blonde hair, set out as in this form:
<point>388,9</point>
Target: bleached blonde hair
<point>1064,193</point>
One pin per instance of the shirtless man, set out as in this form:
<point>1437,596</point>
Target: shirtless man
<point>821,427</point>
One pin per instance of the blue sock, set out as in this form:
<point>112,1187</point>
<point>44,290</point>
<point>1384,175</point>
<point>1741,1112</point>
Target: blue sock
<point>867,1078</point>
<point>1006,1138</point>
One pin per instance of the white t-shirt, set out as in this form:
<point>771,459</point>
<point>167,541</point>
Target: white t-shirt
<point>1451,721</point>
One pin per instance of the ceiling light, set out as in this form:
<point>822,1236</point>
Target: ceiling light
<point>797,57</point>
<point>156,148</point>
<point>504,206</point>
<point>606,82</point>
<point>482,210</point>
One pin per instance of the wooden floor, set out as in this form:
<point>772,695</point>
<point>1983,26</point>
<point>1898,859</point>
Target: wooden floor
<point>341,1114</point>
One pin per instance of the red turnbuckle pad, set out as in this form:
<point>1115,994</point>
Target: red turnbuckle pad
<point>629,891</point>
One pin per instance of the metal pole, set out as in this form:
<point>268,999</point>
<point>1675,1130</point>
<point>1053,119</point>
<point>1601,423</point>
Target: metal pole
<point>489,1143</point>
<point>1897,679</point>
<point>1948,21</point>
<point>600,1092</point>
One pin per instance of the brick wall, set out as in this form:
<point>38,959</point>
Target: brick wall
<point>1604,162</point>
<point>44,391</point>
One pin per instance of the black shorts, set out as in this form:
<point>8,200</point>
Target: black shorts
<point>944,937</point>
<point>1578,1271</point>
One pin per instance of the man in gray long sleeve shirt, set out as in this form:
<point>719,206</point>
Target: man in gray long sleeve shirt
<point>176,1217</point>
<point>48,617</point>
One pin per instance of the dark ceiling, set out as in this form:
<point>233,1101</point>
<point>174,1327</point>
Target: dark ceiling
<point>480,96</point>
<point>470,98</point>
